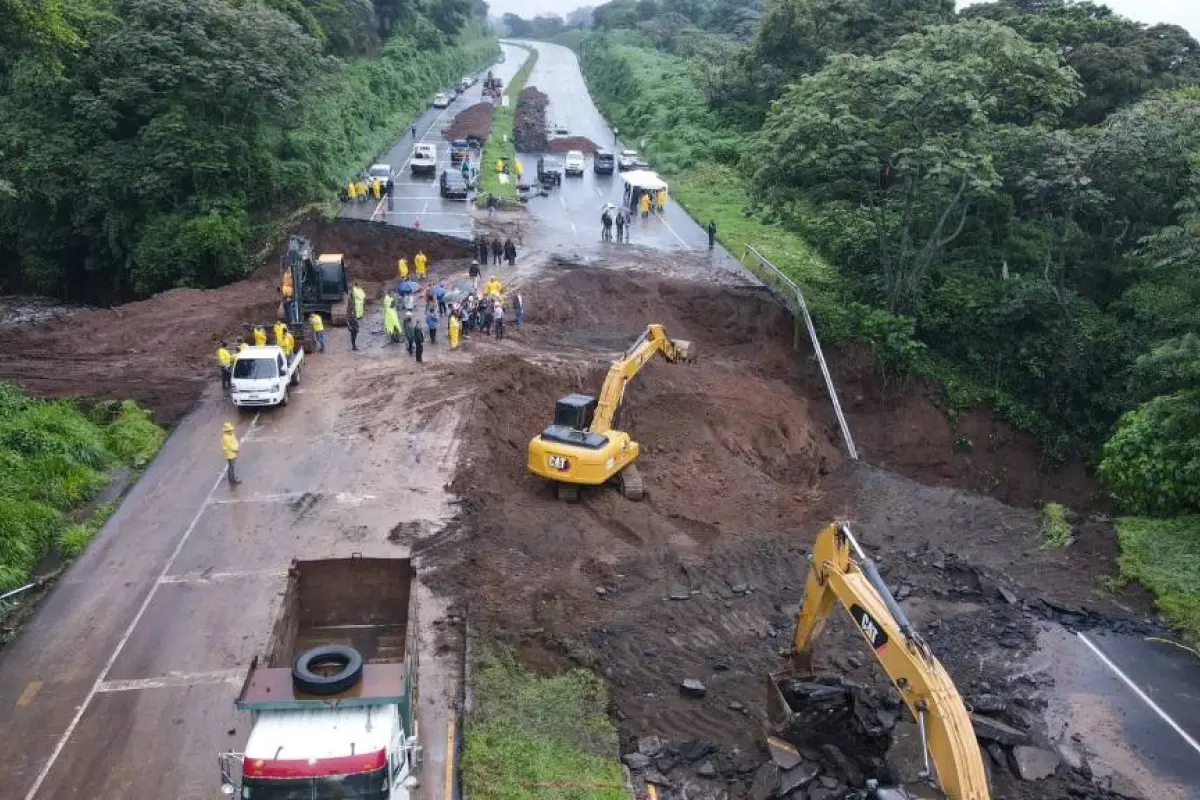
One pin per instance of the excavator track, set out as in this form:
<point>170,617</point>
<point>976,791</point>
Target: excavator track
<point>631,484</point>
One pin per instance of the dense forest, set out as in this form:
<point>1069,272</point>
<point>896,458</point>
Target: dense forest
<point>146,144</point>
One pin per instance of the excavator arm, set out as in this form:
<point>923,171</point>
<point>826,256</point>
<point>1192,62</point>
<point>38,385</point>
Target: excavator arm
<point>947,735</point>
<point>625,368</point>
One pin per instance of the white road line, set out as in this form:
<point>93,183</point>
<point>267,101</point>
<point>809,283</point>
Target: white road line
<point>137,618</point>
<point>672,230</point>
<point>1145,698</point>
<point>173,680</point>
<point>599,192</point>
<point>201,576</point>
<point>345,498</point>
<point>562,200</point>
<point>573,228</point>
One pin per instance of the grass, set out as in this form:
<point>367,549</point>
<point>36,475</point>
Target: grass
<point>499,144</point>
<point>1056,531</point>
<point>54,458</point>
<point>1164,555</point>
<point>548,738</point>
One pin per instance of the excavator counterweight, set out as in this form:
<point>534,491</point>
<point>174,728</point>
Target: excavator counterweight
<point>581,447</point>
<point>802,705</point>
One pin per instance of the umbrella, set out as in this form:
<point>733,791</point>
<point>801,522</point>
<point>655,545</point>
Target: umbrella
<point>407,287</point>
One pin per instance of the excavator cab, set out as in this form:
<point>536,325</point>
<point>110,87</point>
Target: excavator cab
<point>806,709</point>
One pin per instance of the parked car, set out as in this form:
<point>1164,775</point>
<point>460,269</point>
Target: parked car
<point>630,159</point>
<point>440,100</point>
<point>603,163</point>
<point>574,163</point>
<point>381,171</point>
<point>454,185</point>
<point>549,170</point>
<point>459,149</point>
<point>424,159</point>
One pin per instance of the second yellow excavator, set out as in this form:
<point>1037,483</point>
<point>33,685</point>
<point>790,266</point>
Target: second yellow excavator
<point>581,448</point>
<point>947,736</point>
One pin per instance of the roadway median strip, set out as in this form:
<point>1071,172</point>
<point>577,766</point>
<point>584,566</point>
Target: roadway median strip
<point>499,144</point>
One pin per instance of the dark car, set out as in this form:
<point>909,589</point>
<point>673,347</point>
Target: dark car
<point>459,149</point>
<point>453,185</point>
<point>603,163</point>
<point>550,170</point>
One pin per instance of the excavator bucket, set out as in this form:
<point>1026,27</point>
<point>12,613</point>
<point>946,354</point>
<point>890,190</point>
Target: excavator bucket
<point>684,351</point>
<point>806,709</point>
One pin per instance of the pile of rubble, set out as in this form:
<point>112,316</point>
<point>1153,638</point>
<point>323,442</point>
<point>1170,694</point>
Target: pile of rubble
<point>849,734</point>
<point>529,122</point>
<point>472,123</point>
<point>566,143</point>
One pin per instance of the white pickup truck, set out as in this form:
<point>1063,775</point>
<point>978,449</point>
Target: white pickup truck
<point>263,375</point>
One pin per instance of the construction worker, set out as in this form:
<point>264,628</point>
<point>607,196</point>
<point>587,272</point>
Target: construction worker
<point>644,204</point>
<point>360,301</point>
<point>402,268</point>
<point>391,320</point>
<point>493,288</point>
<point>455,328</point>
<point>225,360</point>
<point>280,332</point>
<point>318,328</point>
<point>422,264</point>
<point>229,443</point>
<point>260,336</point>
<point>241,345</point>
<point>520,170</point>
<point>352,323</point>
<point>289,343</point>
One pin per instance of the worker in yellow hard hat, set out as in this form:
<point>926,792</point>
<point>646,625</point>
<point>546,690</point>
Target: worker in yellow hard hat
<point>422,264</point>
<point>280,332</point>
<point>229,444</point>
<point>289,343</point>
<point>402,268</point>
<point>260,336</point>
<point>225,360</point>
<point>360,301</point>
<point>318,329</point>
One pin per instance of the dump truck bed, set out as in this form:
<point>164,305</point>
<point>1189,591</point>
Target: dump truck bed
<point>364,603</point>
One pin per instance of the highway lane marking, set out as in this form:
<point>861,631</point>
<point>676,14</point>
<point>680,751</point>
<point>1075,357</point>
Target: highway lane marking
<point>31,691</point>
<point>1145,698</point>
<point>663,217</point>
<point>404,164</point>
<point>125,637</point>
<point>173,680</point>
<point>202,576</point>
<point>562,200</point>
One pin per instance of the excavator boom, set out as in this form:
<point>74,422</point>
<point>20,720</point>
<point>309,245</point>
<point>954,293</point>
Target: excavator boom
<point>924,685</point>
<point>625,368</point>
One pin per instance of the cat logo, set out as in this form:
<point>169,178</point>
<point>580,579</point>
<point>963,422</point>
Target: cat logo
<point>869,627</point>
<point>559,463</point>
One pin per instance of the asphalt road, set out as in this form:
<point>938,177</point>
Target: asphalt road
<point>416,201</point>
<point>122,685</point>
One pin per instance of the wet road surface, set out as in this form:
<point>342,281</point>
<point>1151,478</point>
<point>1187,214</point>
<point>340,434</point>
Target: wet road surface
<point>122,684</point>
<point>416,201</point>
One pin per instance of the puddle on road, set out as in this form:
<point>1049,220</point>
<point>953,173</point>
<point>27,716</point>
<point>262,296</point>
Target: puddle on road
<point>1089,704</point>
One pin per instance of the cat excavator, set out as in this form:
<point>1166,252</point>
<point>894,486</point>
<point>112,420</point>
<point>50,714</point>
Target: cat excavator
<point>841,572</point>
<point>581,448</point>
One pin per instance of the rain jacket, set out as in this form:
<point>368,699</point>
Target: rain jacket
<point>455,329</point>
<point>422,264</point>
<point>431,321</point>
<point>242,346</point>
<point>318,324</point>
<point>289,344</point>
<point>360,301</point>
<point>229,443</point>
<point>402,266</point>
<point>493,286</point>
<point>260,337</point>
<point>391,320</point>
<point>280,333</point>
<point>224,357</point>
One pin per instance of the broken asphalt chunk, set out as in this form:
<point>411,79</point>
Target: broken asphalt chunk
<point>692,688</point>
<point>992,730</point>
<point>1034,763</point>
<point>783,754</point>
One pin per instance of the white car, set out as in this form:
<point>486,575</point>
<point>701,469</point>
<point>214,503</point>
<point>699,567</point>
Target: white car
<point>440,100</point>
<point>574,162</point>
<point>381,171</point>
<point>262,375</point>
<point>424,159</point>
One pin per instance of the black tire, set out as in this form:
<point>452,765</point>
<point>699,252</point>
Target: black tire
<point>348,659</point>
<point>296,377</point>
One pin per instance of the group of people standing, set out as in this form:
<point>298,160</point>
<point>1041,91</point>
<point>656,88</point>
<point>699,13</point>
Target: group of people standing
<point>365,186</point>
<point>500,251</point>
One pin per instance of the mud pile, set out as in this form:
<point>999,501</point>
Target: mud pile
<point>565,143</point>
<point>161,351</point>
<point>472,123</point>
<point>529,122</point>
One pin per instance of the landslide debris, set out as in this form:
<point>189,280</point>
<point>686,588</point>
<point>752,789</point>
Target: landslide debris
<point>565,143</point>
<point>471,123</point>
<point>529,121</point>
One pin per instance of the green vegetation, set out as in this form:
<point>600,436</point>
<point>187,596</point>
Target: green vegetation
<point>149,143</point>
<point>1164,554</point>
<point>1056,531</point>
<point>500,144</point>
<point>539,737</point>
<point>54,458</point>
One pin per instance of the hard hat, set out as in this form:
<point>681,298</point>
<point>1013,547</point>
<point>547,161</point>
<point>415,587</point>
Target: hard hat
<point>227,427</point>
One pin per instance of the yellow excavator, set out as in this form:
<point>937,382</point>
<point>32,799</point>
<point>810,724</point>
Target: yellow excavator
<point>581,448</point>
<point>842,572</point>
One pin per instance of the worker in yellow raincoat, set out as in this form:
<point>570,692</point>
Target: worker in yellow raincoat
<point>360,191</point>
<point>229,445</point>
<point>289,344</point>
<point>225,360</point>
<point>318,329</point>
<point>422,264</point>
<point>360,301</point>
<point>644,204</point>
<point>455,328</point>
<point>493,287</point>
<point>260,336</point>
<point>280,333</point>
<point>391,320</point>
<point>402,268</point>
<point>520,169</point>
<point>241,345</point>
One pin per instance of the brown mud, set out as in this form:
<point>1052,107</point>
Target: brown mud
<point>563,144</point>
<point>472,123</point>
<point>529,121</point>
<point>743,465</point>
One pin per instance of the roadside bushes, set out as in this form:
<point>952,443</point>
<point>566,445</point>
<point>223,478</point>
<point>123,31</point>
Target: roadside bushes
<point>54,458</point>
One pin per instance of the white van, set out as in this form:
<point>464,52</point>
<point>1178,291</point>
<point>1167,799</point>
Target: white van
<point>424,159</point>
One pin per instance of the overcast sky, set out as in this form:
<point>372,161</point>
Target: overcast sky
<point>1180,12</point>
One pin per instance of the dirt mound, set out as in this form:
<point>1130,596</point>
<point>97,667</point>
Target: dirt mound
<point>372,248</point>
<point>567,143</point>
<point>472,123</point>
<point>529,121</point>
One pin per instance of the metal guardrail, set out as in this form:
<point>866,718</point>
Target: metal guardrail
<point>789,292</point>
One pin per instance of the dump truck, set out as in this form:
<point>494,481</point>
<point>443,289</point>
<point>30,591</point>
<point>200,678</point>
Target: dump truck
<point>333,698</point>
